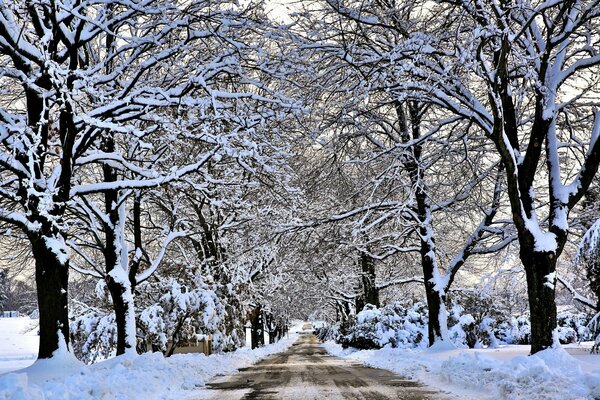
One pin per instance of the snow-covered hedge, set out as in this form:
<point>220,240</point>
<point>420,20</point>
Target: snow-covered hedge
<point>392,325</point>
<point>329,332</point>
<point>572,328</point>
<point>399,326</point>
<point>167,312</point>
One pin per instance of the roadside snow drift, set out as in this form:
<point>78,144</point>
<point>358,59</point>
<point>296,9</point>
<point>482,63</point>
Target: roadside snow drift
<point>147,376</point>
<point>504,373</point>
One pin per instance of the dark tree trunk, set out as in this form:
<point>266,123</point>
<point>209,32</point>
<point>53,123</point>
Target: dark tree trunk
<point>257,328</point>
<point>435,302</point>
<point>541,295</point>
<point>284,328</point>
<point>51,277</point>
<point>120,307</point>
<point>273,327</point>
<point>134,266</point>
<point>370,292</point>
<point>120,294</point>
<point>359,303</point>
<point>277,333</point>
<point>273,335</point>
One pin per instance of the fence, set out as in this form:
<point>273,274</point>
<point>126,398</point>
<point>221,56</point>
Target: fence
<point>195,345</point>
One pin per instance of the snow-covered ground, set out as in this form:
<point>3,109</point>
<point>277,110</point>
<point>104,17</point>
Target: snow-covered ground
<point>505,373</point>
<point>147,376</point>
<point>18,343</point>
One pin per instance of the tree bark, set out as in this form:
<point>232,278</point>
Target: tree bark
<point>117,278</point>
<point>541,295</point>
<point>51,275</point>
<point>370,292</point>
<point>124,314</point>
<point>257,328</point>
<point>435,302</point>
<point>437,329</point>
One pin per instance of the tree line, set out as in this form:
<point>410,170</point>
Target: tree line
<point>183,165</point>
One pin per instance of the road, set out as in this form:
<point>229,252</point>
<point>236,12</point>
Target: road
<point>306,371</point>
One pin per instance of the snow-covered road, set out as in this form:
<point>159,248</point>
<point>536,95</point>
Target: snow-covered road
<point>305,371</point>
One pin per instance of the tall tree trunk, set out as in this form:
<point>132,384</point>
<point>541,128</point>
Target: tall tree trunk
<point>438,319</point>
<point>48,246</point>
<point>123,307</point>
<point>118,284</point>
<point>438,330</point>
<point>271,325</point>
<point>370,292</point>
<point>257,328</point>
<point>540,270</point>
<point>437,326</point>
<point>116,260</point>
<point>51,275</point>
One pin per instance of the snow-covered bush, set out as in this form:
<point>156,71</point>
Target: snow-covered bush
<point>515,330</point>
<point>464,330</point>
<point>573,327</point>
<point>329,332</point>
<point>392,325</point>
<point>93,333</point>
<point>395,325</point>
<point>180,313</point>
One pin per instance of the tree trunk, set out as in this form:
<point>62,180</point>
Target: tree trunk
<point>541,294</point>
<point>271,325</point>
<point>437,328</point>
<point>359,303</point>
<point>116,260</point>
<point>257,329</point>
<point>124,313</point>
<point>118,284</point>
<point>370,292</point>
<point>51,275</point>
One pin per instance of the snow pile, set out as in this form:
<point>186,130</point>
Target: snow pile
<point>504,373</point>
<point>148,376</point>
<point>551,374</point>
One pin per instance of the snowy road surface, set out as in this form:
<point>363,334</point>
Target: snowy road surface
<point>306,372</point>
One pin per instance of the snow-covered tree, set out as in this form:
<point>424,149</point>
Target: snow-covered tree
<point>523,73</point>
<point>93,85</point>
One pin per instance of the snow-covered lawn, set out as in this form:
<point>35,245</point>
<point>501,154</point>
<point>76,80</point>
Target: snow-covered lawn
<point>503,373</point>
<point>18,343</point>
<point>148,376</point>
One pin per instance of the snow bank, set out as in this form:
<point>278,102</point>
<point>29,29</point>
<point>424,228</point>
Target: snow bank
<point>148,376</point>
<point>504,373</point>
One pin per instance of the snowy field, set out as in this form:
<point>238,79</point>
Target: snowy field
<point>148,376</point>
<point>504,373</point>
<point>18,343</point>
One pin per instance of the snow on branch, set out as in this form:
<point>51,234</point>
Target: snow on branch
<point>576,295</point>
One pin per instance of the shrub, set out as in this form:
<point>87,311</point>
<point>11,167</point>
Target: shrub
<point>392,325</point>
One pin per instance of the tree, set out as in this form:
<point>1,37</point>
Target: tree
<point>525,76</point>
<point>84,93</point>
